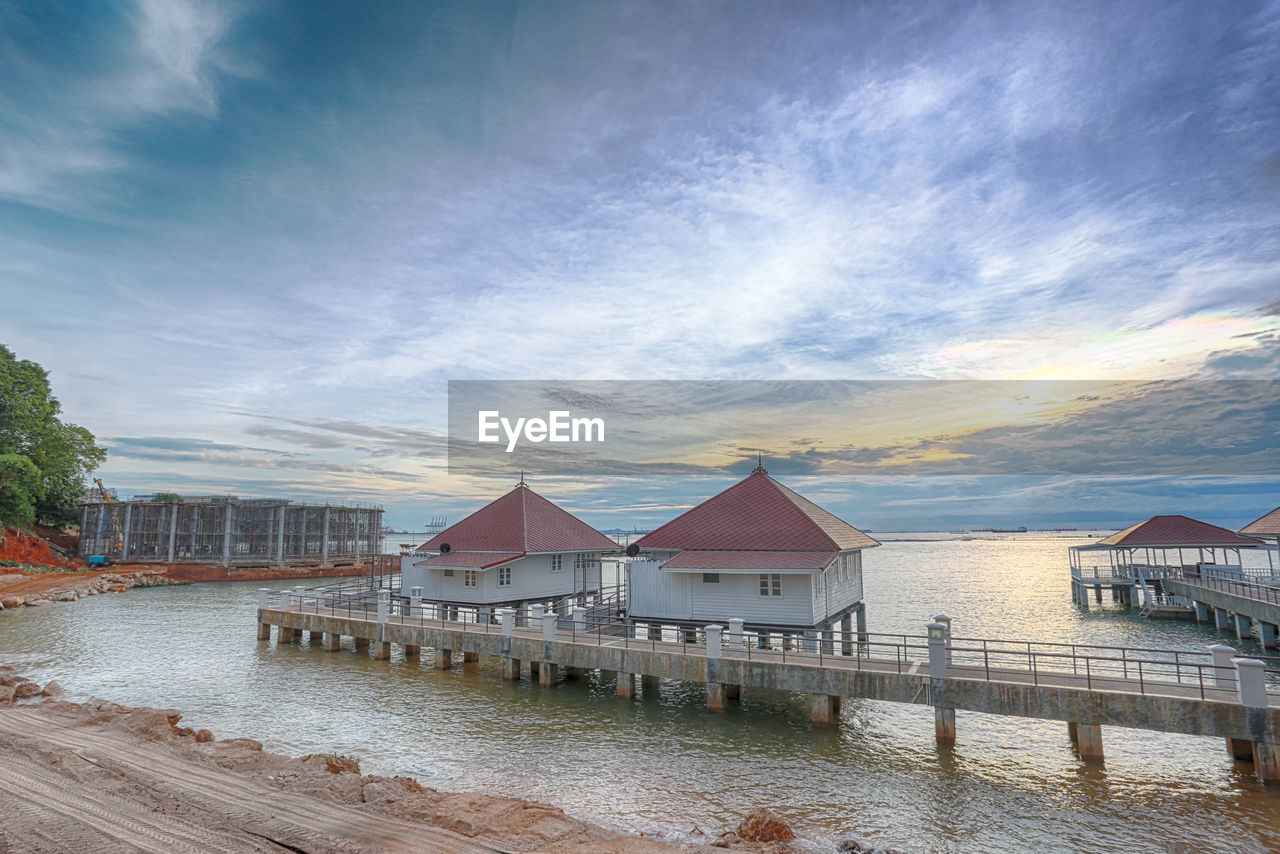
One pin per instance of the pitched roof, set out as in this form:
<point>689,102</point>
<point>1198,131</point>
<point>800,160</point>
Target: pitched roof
<point>757,513</point>
<point>711,560</point>
<point>1176,531</point>
<point>469,560</point>
<point>1268,525</point>
<point>521,521</point>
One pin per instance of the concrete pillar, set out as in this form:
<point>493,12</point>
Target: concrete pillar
<point>1097,593</point>
<point>735,633</point>
<point>547,674</point>
<point>937,651</point>
<point>1251,686</point>
<point>173,531</point>
<point>579,617</point>
<point>1240,749</point>
<point>1089,741</point>
<point>946,622</point>
<point>124,534</point>
<point>384,605</point>
<point>285,635</point>
<point>280,535</point>
<point>549,620</point>
<point>626,685</point>
<point>1242,626</point>
<point>415,602</point>
<point>381,651</point>
<point>715,697</point>
<point>332,642</point>
<point>412,650</point>
<point>823,710</point>
<point>228,517</point>
<point>714,635</point>
<point>1266,761</point>
<point>1083,601</point>
<point>1071,732</point>
<point>1221,619</point>
<point>510,668</point>
<point>264,631</point>
<point>944,725</point>
<point>324,537</point>
<point>535,614</point>
<point>846,634</point>
<point>444,659</point>
<point>507,617</point>
<point>860,616</point>
<point>1266,633</point>
<point>1202,612</point>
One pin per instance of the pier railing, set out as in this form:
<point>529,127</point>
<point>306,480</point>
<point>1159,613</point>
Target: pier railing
<point>1142,670</point>
<point>1247,589</point>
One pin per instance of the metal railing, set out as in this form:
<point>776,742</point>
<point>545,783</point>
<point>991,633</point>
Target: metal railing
<point>1247,589</point>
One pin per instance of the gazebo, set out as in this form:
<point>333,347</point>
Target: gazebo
<point>1266,528</point>
<point>1141,556</point>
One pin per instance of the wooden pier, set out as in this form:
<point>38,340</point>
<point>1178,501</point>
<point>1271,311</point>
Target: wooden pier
<point>1214,693</point>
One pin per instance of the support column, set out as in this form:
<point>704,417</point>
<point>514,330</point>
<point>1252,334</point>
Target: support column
<point>1240,749</point>
<point>511,669</point>
<point>1266,634</point>
<point>228,516</point>
<point>173,530</point>
<point>1097,593</point>
<point>1221,619</point>
<point>280,535</point>
<point>1266,761</point>
<point>324,537</point>
<point>1088,740</point>
<point>715,697</point>
<point>332,642</point>
<point>1202,612</point>
<point>547,674</point>
<point>944,725</point>
<point>444,659</point>
<point>863,637</point>
<point>1242,626</point>
<point>381,651</point>
<point>264,631</point>
<point>626,685</point>
<point>124,535</point>
<point>285,635</point>
<point>1084,597</point>
<point>822,710</point>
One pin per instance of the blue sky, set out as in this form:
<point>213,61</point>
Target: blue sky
<point>252,242</point>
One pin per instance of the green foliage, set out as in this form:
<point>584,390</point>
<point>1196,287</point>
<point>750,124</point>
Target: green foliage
<point>43,461</point>
<point>167,498</point>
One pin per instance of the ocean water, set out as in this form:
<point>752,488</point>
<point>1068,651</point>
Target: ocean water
<point>661,764</point>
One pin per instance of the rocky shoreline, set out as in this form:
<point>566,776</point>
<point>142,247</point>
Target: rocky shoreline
<point>175,781</point>
<point>70,587</point>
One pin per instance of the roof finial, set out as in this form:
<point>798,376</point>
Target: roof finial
<point>522,483</point>
<point>759,469</point>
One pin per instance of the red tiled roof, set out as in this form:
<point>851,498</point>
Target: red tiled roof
<point>1176,531</point>
<point>521,521</point>
<point>757,513</point>
<point>469,560</point>
<point>1268,524</point>
<point>727,559</point>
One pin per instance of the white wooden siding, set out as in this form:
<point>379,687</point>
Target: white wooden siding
<point>653,593</point>
<point>531,580</point>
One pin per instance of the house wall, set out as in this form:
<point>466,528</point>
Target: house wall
<point>840,586</point>
<point>653,593</point>
<point>531,579</point>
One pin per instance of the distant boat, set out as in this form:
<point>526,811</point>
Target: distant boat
<point>1019,530</point>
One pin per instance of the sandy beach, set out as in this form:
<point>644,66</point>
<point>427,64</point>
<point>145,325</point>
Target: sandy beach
<point>102,777</point>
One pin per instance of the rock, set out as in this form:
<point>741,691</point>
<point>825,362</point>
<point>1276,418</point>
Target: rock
<point>25,689</point>
<point>66,596</point>
<point>4,668</point>
<point>117,588</point>
<point>35,602</point>
<point>11,601</point>
<point>244,742</point>
<point>335,764</point>
<point>854,845</point>
<point>6,693</point>
<point>204,736</point>
<point>762,825</point>
<point>8,680</point>
<point>185,730</point>
<point>53,689</point>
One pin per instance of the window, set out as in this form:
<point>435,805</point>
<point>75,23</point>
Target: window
<point>579,563</point>
<point>504,576</point>
<point>448,573</point>
<point>710,578</point>
<point>469,578</point>
<point>770,584</point>
<point>556,565</point>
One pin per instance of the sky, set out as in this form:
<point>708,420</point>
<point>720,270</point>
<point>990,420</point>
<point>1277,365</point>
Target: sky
<point>253,243</point>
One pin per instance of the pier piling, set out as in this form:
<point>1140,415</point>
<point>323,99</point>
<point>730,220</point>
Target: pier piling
<point>332,642</point>
<point>626,685</point>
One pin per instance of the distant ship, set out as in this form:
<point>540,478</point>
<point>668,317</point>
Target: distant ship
<point>1019,530</point>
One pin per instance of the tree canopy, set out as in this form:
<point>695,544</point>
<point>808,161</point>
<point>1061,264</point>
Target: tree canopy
<point>43,460</point>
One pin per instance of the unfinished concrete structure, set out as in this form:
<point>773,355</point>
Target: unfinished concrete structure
<point>228,530</point>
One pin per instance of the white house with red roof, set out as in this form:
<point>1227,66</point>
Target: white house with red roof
<point>759,552</point>
<point>1173,544</point>
<point>518,548</point>
<point>1265,528</point>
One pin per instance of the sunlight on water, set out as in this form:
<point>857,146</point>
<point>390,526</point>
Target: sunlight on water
<point>662,764</point>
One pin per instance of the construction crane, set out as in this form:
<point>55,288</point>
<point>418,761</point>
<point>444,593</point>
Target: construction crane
<point>116,544</point>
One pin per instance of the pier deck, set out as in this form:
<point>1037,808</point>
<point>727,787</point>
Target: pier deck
<point>1085,686</point>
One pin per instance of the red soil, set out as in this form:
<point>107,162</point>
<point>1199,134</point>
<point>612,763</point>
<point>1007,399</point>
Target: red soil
<point>29,550</point>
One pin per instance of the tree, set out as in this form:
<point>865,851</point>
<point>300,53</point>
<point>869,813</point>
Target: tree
<point>60,454</point>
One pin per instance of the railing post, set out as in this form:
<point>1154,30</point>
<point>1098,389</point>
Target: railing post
<point>714,634</point>
<point>937,651</point>
<point>298,592</point>
<point>508,617</point>
<point>549,619</point>
<point>286,600</point>
<point>735,633</point>
<point>579,619</point>
<point>535,614</point>
<point>946,623</point>
<point>415,601</point>
<point>264,593</point>
<point>1224,669</point>
<point>384,605</point>
<point>1251,685</point>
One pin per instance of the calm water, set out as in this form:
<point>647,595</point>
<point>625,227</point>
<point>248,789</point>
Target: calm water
<point>662,764</point>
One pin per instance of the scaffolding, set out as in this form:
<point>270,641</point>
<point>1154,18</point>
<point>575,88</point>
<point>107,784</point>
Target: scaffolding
<point>228,530</point>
